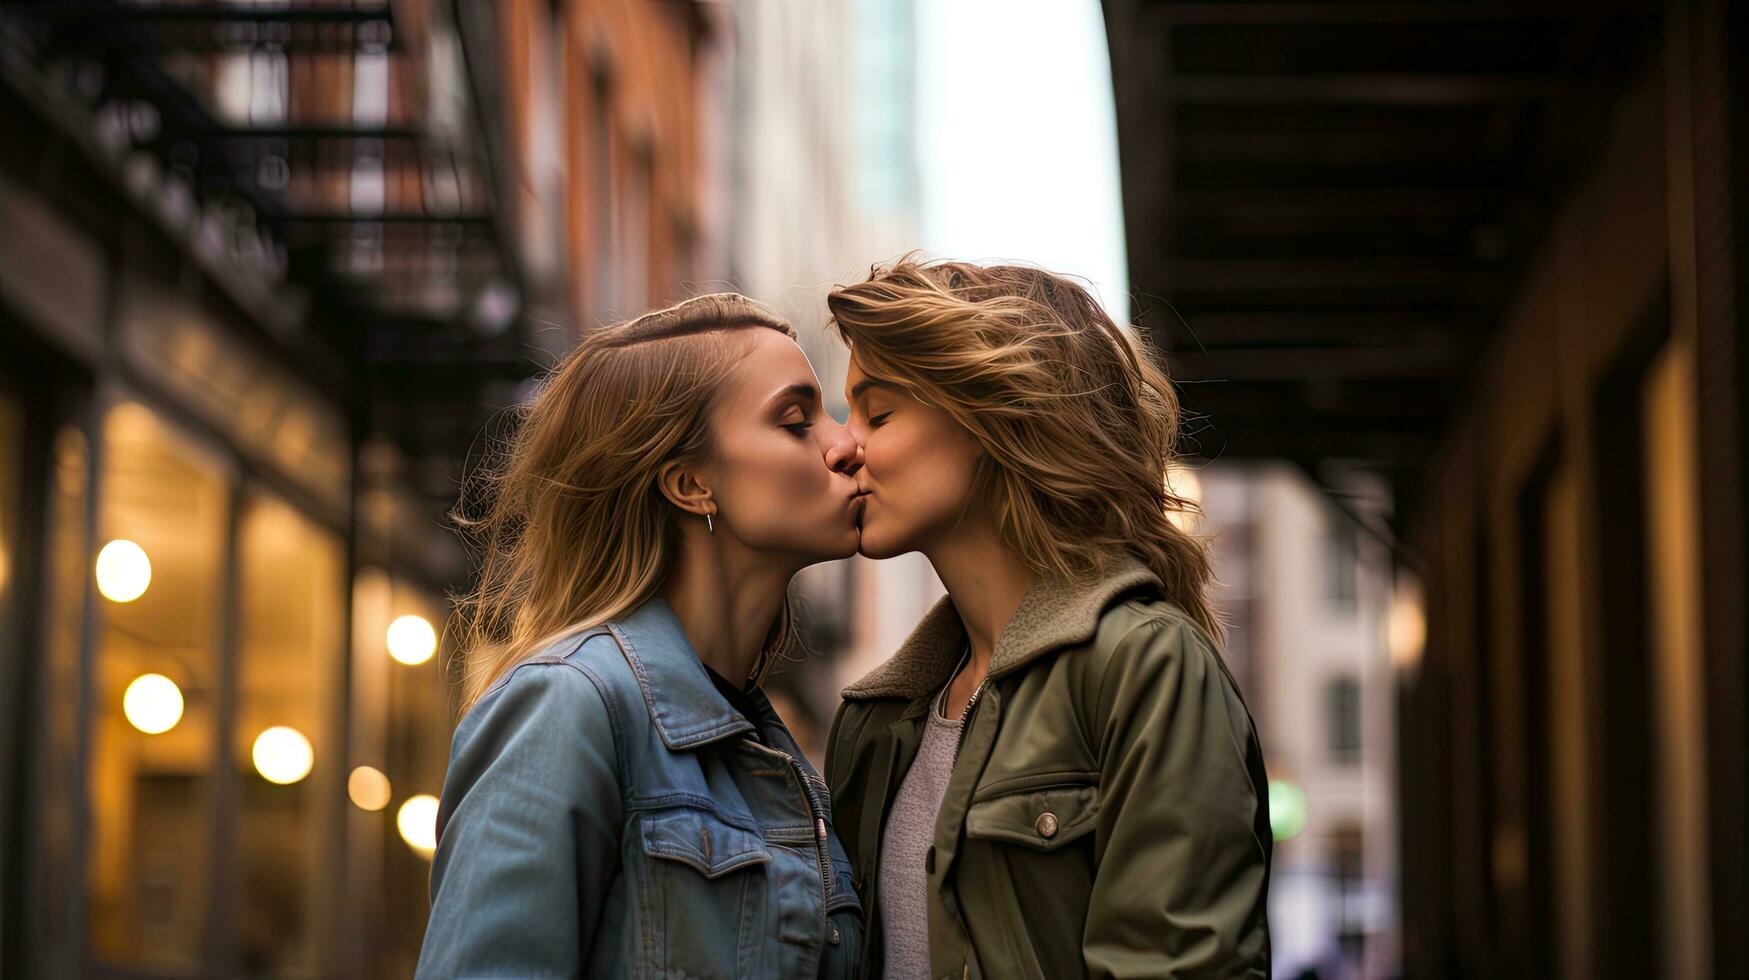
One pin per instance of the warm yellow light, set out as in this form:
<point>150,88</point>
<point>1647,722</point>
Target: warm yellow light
<point>282,755</point>
<point>152,703</point>
<point>412,641</point>
<point>369,788</point>
<point>1406,623</point>
<point>1183,483</point>
<point>123,571</point>
<point>417,822</point>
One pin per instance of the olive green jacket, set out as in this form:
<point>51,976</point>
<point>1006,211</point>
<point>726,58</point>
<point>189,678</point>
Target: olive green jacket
<point>1108,811</point>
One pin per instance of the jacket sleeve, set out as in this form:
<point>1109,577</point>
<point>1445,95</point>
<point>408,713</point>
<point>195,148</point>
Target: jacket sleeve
<point>528,831</point>
<point>847,798</point>
<point>1183,847</point>
<point>833,750</point>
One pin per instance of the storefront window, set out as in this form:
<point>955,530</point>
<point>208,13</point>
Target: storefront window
<point>11,458</point>
<point>160,569</point>
<point>11,659</point>
<point>284,746</point>
<point>400,744</point>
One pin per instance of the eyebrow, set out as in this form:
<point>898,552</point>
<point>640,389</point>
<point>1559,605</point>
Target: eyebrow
<point>865,384</point>
<point>800,388</point>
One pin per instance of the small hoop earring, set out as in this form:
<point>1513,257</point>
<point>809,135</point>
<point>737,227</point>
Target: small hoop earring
<point>712,528</point>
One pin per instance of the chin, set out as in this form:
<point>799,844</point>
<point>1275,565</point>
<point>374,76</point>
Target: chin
<point>874,546</point>
<point>843,545</point>
<point>845,550</point>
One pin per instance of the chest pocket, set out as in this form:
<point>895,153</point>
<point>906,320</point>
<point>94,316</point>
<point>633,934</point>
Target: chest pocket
<point>703,841</point>
<point>1026,873</point>
<point>701,890</point>
<point>1044,819</point>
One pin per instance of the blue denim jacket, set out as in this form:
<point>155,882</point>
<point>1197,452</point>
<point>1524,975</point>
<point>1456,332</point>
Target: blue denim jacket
<point>607,813</point>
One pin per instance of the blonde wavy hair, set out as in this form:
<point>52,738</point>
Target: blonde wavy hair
<point>574,530</point>
<point>1077,419</point>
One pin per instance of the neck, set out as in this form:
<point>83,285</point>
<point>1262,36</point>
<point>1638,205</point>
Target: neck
<point>986,583</point>
<point>726,599</point>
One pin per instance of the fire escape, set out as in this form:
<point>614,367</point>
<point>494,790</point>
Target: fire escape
<point>325,164</point>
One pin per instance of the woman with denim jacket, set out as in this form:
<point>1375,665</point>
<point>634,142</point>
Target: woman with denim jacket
<point>621,799</point>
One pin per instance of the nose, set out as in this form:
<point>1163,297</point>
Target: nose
<point>843,452</point>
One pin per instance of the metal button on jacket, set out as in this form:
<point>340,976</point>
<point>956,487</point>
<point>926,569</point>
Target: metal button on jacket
<point>1047,824</point>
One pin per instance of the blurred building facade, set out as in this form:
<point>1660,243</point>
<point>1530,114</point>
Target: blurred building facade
<point>823,184</point>
<point>1573,734</point>
<point>1305,586</point>
<point>613,162</point>
<point>1493,254</point>
<point>265,274</point>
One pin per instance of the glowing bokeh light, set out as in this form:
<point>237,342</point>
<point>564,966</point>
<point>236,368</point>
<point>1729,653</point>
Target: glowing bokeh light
<point>412,641</point>
<point>282,755</point>
<point>1406,623</point>
<point>1287,809</point>
<point>123,571</point>
<point>417,822</point>
<point>1184,484</point>
<point>152,703</point>
<point>368,788</point>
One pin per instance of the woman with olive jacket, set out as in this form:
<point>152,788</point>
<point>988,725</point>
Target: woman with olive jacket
<point>1055,775</point>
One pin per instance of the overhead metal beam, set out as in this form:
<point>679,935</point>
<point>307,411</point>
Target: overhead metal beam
<point>1407,12</point>
<point>1317,202</point>
<point>1278,275</point>
<point>177,13</point>
<point>1323,363</point>
<point>1309,403</point>
<point>1354,328</point>
<point>389,218</point>
<point>1370,88</point>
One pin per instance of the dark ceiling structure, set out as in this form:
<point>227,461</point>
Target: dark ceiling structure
<point>338,181</point>
<point>1328,204</point>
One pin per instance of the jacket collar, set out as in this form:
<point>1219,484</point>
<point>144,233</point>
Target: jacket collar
<point>684,704</point>
<point>1054,614</point>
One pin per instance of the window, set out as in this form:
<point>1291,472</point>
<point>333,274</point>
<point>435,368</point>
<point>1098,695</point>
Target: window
<point>159,568</point>
<point>12,470</point>
<point>11,557</point>
<point>1347,857</point>
<point>284,747</point>
<point>604,197</point>
<point>1342,711</point>
<point>1341,558</point>
<point>399,741</point>
<point>1239,652</point>
<point>638,219</point>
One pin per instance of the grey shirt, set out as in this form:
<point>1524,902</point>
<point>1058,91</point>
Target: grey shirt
<point>910,830</point>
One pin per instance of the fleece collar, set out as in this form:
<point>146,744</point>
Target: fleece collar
<point>1053,615</point>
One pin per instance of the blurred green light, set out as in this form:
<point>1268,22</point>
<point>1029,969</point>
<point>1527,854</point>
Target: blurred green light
<point>1287,809</point>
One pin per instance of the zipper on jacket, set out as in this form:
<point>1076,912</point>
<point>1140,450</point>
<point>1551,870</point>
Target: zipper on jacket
<point>822,849</point>
<point>966,716</point>
<point>966,726</point>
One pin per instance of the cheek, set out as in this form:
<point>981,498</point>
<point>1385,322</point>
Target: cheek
<point>919,471</point>
<point>777,475</point>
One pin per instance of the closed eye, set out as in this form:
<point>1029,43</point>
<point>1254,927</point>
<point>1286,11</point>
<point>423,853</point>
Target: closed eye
<point>875,420</point>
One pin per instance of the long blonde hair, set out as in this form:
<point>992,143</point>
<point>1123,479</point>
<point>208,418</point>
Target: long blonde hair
<point>1077,420</point>
<point>575,531</point>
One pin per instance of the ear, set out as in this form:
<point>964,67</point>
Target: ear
<point>685,489</point>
